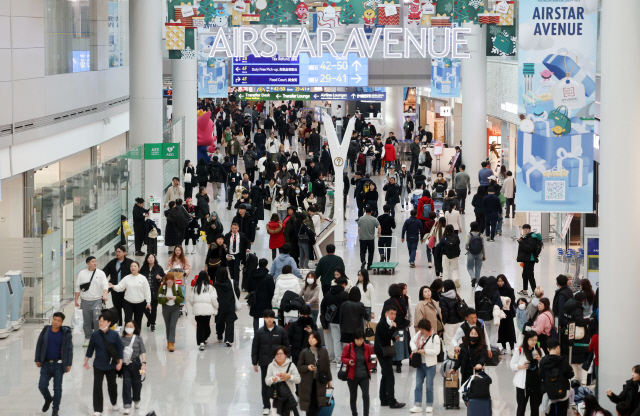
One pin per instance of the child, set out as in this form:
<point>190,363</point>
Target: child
<point>579,391</point>
<point>521,313</point>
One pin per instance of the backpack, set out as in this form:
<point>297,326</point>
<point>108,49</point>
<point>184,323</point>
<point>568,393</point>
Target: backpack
<point>426,209</point>
<point>461,306</point>
<point>452,246</point>
<point>361,159</point>
<point>538,250</point>
<point>215,174</point>
<point>556,387</point>
<point>331,313</point>
<point>485,309</point>
<point>415,200</point>
<point>475,244</point>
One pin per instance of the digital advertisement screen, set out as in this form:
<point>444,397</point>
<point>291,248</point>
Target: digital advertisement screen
<point>325,71</point>
<point>81,61</point>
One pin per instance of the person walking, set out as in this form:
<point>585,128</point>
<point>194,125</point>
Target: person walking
<point>216,257</point>
<point>140,215</point>
<point>387,225</point>
<point>426,343</point>
<point>472,355</point>
<point>54,358</point>
<point>555,373</point>
<point>115,270</point>
<point>398,299</point>
<point>238,245</point>
<point>282,369</point>
<point>356,356</point>
<point>275,229</point>
<point>260,282</point>
<point>475,252</point>
<point>384,339</point>
<point>137,294</point>
<point>493,211</point>
<point>488,298</point>
<point>526,363</point>
<point>462,186</point>
<point>330,316</point>
<point>478,208</point>
<point>452,215</point>
<point>509,190</point>
<point>450,246</point>
<point>368,293</point>
<point>91,289</point>
<point>265,340</point>
<point>392,195</point>
<point>299,331</point>
<point>506,330</point>
<point>413,230</point>
<point>449,301</point>
<point>305,237</point>
<point>204,301</point>
<point>108,349</point>
<point>154,274</point>
<point>326,266</point>
<point>287,281</point>
<point>352,316</point>
<point>414,148</point>
<point>170,296</point>
<point>311,295</point>
<point>135,366</point>
<point>226,317</point>
<point>178,263</point>
<point>528,255</point>
<point>368,228</point>
<point>315,375</point>
<point>425,206</point>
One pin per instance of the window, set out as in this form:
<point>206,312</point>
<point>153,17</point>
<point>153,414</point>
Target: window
<point>68,31</point>
<point>118,33</point>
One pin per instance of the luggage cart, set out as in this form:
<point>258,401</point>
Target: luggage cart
<point>438,201</point>
<point>387,267</point>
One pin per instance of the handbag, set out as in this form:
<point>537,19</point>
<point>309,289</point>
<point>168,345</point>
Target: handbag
<point>560,117</point>
<point>415,360</point>
<point>272,391</point>
<point>187,177</point>
<point>304,237</point>
<point>342,374</point>
<point>369,331</point>
<point>85,286</point>
<point>432,242</point>
<point>579,332</point>
<point>389,351</point>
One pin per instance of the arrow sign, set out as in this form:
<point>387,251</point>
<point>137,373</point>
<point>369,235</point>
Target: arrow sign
<point>358,78</point>
<point>277,95</point>
<point>356,65</point>
<point>353,96</point>
<point>315,96</point>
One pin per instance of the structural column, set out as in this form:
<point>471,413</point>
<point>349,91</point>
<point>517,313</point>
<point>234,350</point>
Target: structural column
<point>619,155</point>
<point>393,109</point>
<point>474,102</point>
<point>145,85</point>
<point>185,102</point>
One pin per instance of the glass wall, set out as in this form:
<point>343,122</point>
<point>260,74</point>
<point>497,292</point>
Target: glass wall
<point>68,30</point>
<point>118,33</point>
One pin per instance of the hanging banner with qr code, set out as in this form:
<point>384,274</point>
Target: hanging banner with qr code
<point>556,105</point>
<point>213,80</point>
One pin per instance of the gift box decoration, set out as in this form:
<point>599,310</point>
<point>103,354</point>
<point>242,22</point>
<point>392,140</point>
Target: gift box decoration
<point>506,19</point>
<point>576,165</point>
<point>503,43</point>
<point>180,11</point>
<point>175,34</point>
<point>489,18</point>
<point>329,15</point>
<point>250,17</point>
<point>440,20</point>
<point>386,14</point>
<point>555,185</point>
<point>558,65</point>
<point>534,172</point>
<point>548,148</point>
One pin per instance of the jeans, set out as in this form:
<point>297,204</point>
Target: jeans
<point>429,253</point>
<point>353,385</point>
<point>377,165</point>
<point>450,268</point>
<point>527,275</point>
<point>91,310</point>
<point>266,404</point>
<point>474,265</point>
<point>304,255</point>
<point>462,197</point>
<point>367,245</point>
<point>393,209</point>
<point>384,242</point>
<point>112,387</point>
<point>412,246</point>
<point>47,372</point>
<point>499,226</point>
<point>387,381</point>
<point>414,164</point>
<point>424,373</point>
<point>491,222</point>
<point>134,311</point>
<point>171,315</point>
<point>511,206</point>
<point>203,328</point>
<point>131,383</point>
<point>234,159</point>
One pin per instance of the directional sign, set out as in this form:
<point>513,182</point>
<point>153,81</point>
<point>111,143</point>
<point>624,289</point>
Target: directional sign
<point>304,71</point>
<point>349,96</point>
<point>271,96</point>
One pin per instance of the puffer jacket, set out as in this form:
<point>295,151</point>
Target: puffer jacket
<point>449,308</point>
<point>286,281</point>
<point>204,303</point>
<point>276,234</point>
<point>421,202</point>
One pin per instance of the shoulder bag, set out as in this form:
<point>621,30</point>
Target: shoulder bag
<point>85,286</point>
<point>272,392</point>
<point>342,374</point>
<point>127,352</point>
<point>112,351</point>
<point>415,360</point>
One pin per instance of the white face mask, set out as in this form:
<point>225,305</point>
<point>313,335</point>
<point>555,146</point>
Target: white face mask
<point>297,191</point>
<point>522,306</point>
<point>104,328</point>
<point>128,330</point>
<point>281,192</point>
<point>310,281</point>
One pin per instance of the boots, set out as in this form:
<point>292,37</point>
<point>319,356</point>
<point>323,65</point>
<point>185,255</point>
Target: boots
<point>171,346</point>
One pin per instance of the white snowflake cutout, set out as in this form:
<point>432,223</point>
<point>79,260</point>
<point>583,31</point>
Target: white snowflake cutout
<point>188,53</point>
<point>448,7</point>
<point>475,3</point>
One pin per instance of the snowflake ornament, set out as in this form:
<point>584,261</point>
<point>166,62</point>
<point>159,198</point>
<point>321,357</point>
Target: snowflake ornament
<point>475,3</point>
<point>187,53</point>
<point>448,7</point>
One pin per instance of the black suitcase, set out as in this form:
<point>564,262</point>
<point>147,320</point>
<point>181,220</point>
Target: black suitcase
<point>451,396</point>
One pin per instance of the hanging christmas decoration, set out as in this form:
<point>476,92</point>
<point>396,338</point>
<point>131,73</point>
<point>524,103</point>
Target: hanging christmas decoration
<point>302,12</point>
<point>188,53</point>
<point>329,15</point>
<point>275,14</point>
<point>369,16</point>
<point>348,14</point>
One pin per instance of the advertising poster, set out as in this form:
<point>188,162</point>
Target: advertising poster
<point>213,81</point>
<point>445,77</point>
<point>556,92</point>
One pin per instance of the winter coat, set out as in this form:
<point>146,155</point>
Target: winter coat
<point>276,235</point>
<point>177,292</point>
<point>429,311</point>
<point>226,301</point>
<point>298,336</point>
<point>449,308</point>
<point>349,353</point>
<point>389,153</point>
<point>468,358</point>
<point>257,199</point>
<point>204,303</point>
<point>152,277</point>
<point>246,226</point>
<point>275,369</point>
<point>216,172</point>
<point>286,281</point>
<point>562,296</point>
<point>264,343</point>
<point>412,227</point>
<point>430,345</point>
<point>628,395</point>
<point>335,296</point>
<point>203,205</point>
<point>281,261</point>
<point>527,247</point>
<point>261,282</point>
<point>507,330</point>
<point>550,362</point>
<point>393,193</point>
<point>307,377</point>
<point>421,202</point>
<point>216,256</point>
<point>202,174</point>
<point>67,346</point>
<point>352,316</point>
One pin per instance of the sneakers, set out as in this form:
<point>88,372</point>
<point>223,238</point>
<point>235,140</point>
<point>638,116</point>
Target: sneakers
<point>201,346</point>
<point>97,414</point>
<point>229,344</point>
<point>115,407</point>
<point>430,265</point>
<point>412,265</point>
<point>193,250</point>
<point>153,328</point>
<point>523,293</point>
<point>54,412</point>
<point>457,283</point>
<point>416,409</point>
<point>47,404</point>
<point>136,405</point>
<point>126,411</point>
<point>503,351</point>
<point>266,411</point>
<point>429,409</point>
<point>86,344</point>
<point>139,253</point>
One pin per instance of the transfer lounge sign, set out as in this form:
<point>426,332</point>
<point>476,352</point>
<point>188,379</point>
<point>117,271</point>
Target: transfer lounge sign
<point>155,151</point>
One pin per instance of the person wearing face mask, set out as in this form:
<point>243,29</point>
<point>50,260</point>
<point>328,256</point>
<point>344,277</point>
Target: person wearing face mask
<point>543,323</point>
<point>137,294</point>
<point>472,355</point>
<point>526,363</point>
<point>133,370</point>
<point>311,295</point>
<point>440,185</point>
<point>281,204</point>
<point>170,297</point>
<point>298,332</point>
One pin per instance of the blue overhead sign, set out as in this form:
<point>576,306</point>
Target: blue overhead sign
<point>350,96</point>
<point>325,71</point>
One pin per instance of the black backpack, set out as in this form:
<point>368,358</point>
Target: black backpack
<point>556,386</point>
<point>331,313</point>
<point>538,250</point>
<point>475,244</point>
<point>485,309</point>
<point>452,246</point>
<point>461,306</point>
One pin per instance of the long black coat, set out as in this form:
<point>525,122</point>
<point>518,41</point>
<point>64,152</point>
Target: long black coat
<point>507,330</point>
<point>401,316</point>
<point>261,282</point>
<point>226,301</point>
<point>298,337</point>
<point>257,199</point>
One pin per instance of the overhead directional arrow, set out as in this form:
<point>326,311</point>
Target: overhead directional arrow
<point>278,96</point>
<point>315,96</point>
<point>356,65</point>
<point>353,96</point>
<point>358,78</point>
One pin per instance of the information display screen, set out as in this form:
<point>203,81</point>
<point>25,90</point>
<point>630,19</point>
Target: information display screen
<point>325,71</point>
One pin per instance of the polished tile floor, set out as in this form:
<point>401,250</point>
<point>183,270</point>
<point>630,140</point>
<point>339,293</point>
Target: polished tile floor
<point>221,381</point>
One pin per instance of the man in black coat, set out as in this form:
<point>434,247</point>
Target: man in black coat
<point>298,332</point>
<point>233,179</point>
<point>216,176</point>
<point>319,189</point>
<point>387,225</point>
<point>384,337</point>
<point>313,171</point>
<point>265,341</point>
<point>562,295</point>
<point>261,282</point>
<point>115,270</point>
<point>238,245</point>
<point>259,138</point>
<point>492,213</point>
<point>257,199</point>
<point>245,222</point>
<point>332,300</point>
<point>314,142</point>
<point>219,129</point>
<point>392,195</point>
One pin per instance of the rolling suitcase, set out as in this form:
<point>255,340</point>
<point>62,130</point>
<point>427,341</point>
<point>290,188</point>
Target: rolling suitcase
<point>479,407</point>
<point>328,409</point>
<point>451,393</point>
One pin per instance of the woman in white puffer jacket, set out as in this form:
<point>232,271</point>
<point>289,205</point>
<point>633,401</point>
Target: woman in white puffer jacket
<point>286,281</point>
<point>203,299</point>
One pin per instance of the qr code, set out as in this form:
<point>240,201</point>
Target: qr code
<point>446,88</point>
<point>554,190</point>
<point>213,88</point>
